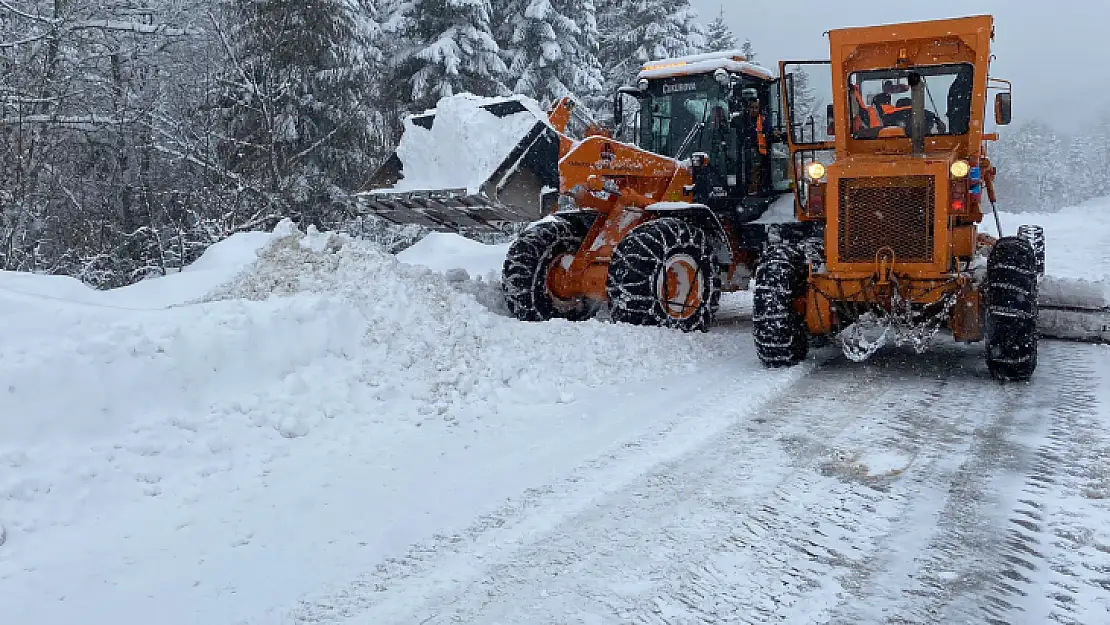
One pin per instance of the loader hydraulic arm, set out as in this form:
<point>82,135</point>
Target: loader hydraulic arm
<point>560,113</point>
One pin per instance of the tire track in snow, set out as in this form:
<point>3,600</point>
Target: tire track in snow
<point>803,550</point>
<point>450,559</point>
<point>759,525</point>
<point>1052,561</point>
<point>982,566</point>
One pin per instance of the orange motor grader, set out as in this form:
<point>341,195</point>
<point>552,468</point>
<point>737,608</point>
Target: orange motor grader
<point>897,176</point>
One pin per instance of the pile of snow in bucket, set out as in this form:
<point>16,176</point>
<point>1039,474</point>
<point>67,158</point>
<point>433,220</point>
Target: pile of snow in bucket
<point>465,145</point>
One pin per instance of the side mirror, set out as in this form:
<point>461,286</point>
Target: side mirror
<point>618,103</point>
<point>830,121</point>
<point>1002,109</point>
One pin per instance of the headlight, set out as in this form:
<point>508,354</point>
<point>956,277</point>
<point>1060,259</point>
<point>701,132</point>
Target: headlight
<point>722,77</point>
<point>643,84</point>
<point>960,169</point>
<point>815,171</point>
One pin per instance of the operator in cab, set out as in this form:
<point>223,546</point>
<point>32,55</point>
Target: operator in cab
<point>758,134</point>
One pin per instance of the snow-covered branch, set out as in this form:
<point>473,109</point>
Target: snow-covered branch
<point>135,27</point>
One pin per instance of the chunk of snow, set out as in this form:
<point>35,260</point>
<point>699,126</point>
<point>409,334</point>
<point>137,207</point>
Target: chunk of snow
<point>446,252</point>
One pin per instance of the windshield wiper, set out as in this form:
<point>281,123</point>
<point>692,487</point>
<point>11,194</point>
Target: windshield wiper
<point>689,140</point>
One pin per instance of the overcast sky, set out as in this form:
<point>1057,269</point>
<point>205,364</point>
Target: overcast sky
<point>1050,50</point>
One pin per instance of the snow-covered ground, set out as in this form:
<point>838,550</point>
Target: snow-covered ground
<point>302,428</point>
<point>172,460</point>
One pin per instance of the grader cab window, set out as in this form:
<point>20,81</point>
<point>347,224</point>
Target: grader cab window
<point>685,112</point>
<point>808,93</point>
<point>881,102</point>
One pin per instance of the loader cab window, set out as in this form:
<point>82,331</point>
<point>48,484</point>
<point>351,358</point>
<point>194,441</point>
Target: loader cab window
<point>881,102</point>
<point>690,110</point>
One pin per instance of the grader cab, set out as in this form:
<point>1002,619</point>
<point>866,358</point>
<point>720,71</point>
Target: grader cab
<point>898,174</point>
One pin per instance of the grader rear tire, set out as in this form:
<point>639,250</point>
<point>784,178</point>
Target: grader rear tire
<point>524,277</point>
<point>1035,236</point>
<point>778,329</point>
<point>1011,300</point>
<point>662,274</point>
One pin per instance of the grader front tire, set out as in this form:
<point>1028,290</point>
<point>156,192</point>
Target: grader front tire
<point>778,328</point>
<point>662,274</point>
<point>1011,299</point>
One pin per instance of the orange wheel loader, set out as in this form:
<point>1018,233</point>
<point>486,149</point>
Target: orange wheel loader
<point>654,226</point>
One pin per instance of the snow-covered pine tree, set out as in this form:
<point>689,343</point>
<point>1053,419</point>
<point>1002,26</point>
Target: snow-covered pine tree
<point>551,48</point>
<point>299,124</point>
<point>444,47</point>
<point>1030,177</point>
<point>1081,175</point>
<point>748,51</point>
<point>1099,155</point>
<point>636,31</point>
<point>719,35</point>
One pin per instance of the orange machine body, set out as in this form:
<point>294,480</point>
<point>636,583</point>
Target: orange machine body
<point>899,224</point>
<point>622,186</point>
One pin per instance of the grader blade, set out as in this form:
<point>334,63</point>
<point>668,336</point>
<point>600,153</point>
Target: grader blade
<point>473,164</point>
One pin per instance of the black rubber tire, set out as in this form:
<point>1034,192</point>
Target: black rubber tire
<point>524,274</point>
<point>781,337</point>
<point>1011,301</point>
<point>639,261</point>
<point>1035,236</point>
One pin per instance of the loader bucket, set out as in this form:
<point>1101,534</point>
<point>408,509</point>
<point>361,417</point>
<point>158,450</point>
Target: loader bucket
<point>472,164</point>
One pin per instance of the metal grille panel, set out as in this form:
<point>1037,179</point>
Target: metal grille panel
<point>890,211</point>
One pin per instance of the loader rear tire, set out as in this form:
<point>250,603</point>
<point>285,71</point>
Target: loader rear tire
<point>662,274</point>
<point>527,265</point>
<point>1011,300</point>
<point>779,330</point>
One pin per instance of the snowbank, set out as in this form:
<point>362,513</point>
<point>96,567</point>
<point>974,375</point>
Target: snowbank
<point>465,145</point>
<point>1077,256</point>
<point>153,459</point>
<point>218,264</point>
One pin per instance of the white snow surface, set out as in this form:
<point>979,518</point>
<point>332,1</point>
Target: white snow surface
<point>465,145</point>
<point>703,64</point>
<point>190,459</point>
<point>267,435</point>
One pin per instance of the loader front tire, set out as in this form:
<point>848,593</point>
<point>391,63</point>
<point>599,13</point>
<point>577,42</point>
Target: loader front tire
<point>779,330</point>
<point>662,274</point>
<point>1011,300</point>
<point>524,277</point>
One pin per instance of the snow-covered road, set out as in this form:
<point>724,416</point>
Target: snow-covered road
<point>910,490</point>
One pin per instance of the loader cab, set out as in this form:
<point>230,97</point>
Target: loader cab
<point>698,109</point>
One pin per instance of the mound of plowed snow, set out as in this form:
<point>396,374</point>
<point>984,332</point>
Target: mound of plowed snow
<point>322,341</point>
<point>430,337</point>
<point>1077,254</point>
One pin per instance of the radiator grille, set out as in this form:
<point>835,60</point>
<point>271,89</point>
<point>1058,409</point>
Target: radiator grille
<point>894,211</point>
